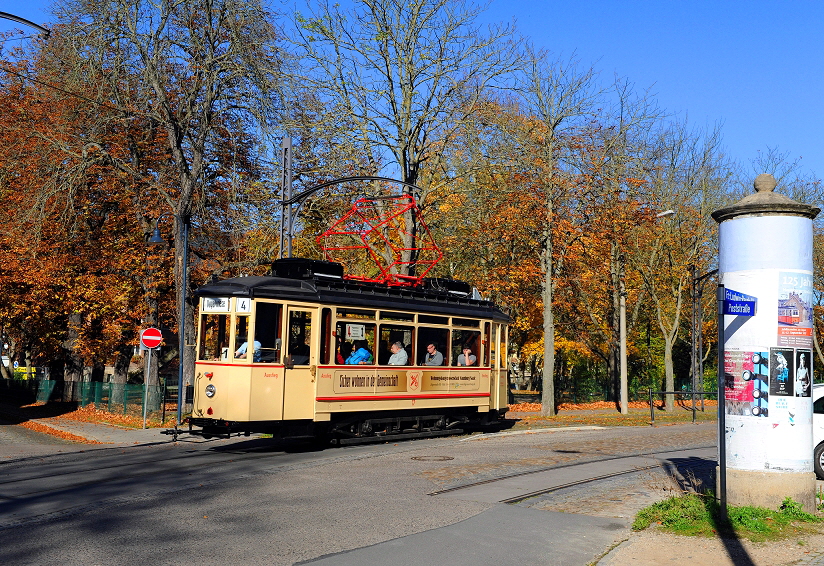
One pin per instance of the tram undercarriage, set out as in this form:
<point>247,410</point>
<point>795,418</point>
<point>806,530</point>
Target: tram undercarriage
<point>355,428</point>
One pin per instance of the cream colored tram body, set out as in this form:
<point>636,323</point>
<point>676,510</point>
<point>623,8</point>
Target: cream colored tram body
<point>305,352</point>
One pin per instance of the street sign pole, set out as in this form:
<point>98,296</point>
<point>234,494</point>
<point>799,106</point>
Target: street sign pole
<point>722,407</point>
<point>146,375</point>
<point>150,339</point>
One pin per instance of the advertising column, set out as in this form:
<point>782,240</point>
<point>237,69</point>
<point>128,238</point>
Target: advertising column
<point>765,265</point>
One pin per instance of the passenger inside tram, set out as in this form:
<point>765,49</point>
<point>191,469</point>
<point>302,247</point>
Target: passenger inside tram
<point>299,351</point>
<point>361,355</point>
<point>467,358</point>
<point>433,356</point>
<point>399,356</point>
<point>343,353</point>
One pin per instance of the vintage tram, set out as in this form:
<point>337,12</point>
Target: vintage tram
<point>273,355</point>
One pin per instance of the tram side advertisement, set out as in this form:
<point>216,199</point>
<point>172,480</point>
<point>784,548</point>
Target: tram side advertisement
<point>345,381</point>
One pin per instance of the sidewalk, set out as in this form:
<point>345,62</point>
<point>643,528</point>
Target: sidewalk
<point>106,433</point>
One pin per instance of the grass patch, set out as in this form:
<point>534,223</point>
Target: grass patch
<point>699,515</point>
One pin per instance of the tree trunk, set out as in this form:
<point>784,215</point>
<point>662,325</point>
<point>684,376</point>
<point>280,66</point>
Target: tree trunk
<point>548,393</point>
<point>6,372</point>
<point>73,372</point>
<point>614,365</point>
<point>669,372</point>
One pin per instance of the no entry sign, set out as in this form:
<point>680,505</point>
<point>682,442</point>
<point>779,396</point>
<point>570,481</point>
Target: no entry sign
<point>151,338</point>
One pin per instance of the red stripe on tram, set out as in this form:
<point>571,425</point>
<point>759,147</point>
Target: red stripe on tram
<point>400,397</point>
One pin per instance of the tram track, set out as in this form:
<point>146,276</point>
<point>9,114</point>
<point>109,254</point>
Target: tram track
<point>562,470</point>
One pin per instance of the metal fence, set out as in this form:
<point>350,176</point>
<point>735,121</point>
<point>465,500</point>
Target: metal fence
<point>126,399</point>
<point>693,400</point>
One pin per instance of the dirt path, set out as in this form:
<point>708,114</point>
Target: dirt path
<point>654,548</point>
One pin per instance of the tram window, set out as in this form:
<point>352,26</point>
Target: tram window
<point>242,340</point>
<point>356,343</point>
<point>465,339</point>
<point>389,334</point>
<point>325,338</point>
<point>268,331</point>
<point>502,346</point>
<point>408,317</point>
<point>487,343</point>
<point>355,313</point>
<point>493,346</point>
<point>300,337</point>
<point>214,337</point>
<point>429,319</point>
<point>437,336</point>
<point>465,322</point>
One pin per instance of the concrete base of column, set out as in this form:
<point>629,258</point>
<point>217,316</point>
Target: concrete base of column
<point>768,489</point>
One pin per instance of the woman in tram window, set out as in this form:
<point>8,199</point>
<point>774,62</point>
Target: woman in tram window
<point>467,358</point>
<point>361,355</point>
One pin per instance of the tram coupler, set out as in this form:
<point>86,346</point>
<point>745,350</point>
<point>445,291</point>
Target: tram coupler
<point>175,432</point>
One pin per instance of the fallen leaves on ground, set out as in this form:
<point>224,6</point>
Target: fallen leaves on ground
<point>37,427</point>
<point>536,407</point>
<point>91,414</point>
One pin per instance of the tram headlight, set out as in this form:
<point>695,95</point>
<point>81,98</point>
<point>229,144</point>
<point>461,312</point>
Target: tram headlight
<point>210,391</point>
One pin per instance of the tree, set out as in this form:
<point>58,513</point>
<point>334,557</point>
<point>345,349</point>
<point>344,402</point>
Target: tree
<point>610,157</point>
<point>688,176</point>
<point>406,73</point>
<point>194,69</point>
<point>557,94</point>
<point>71,221</point>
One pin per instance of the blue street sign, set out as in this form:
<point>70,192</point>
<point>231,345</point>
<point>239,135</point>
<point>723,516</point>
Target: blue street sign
<point>739,304</point>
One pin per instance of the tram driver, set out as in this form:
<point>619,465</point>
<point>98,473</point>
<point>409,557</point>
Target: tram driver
<point>241,352</point>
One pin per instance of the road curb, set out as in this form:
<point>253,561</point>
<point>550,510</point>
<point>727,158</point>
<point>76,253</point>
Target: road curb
<point>486,435</point>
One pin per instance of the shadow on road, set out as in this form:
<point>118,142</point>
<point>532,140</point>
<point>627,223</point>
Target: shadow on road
<point>697,475</point>
<point>18,407</point>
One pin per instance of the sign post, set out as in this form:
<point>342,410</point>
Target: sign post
<point>150,339</point>
<point>739,304</point>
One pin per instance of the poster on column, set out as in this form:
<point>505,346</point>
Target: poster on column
<point>795,313</point>
<point>782,374</point>
<point>746,379</point>
<point>803,370</point>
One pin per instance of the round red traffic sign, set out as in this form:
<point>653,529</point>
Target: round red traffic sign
<point>151,338</point>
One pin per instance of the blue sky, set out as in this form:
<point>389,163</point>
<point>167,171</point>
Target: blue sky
<point>756,66</point>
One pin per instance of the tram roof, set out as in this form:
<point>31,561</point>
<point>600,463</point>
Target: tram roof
<point>355,294</point>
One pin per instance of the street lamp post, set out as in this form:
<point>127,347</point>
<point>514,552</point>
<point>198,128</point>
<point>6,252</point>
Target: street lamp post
<point>696,335</point>
<point>622,330</point>
<point>156,239</point>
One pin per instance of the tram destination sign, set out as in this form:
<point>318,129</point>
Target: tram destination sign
<point>739,304</point>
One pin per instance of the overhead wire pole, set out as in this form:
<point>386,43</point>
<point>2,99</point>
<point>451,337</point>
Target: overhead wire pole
<point>183,224</point>
<point>6,16</point>
<point>696,334</point>
<point>286,219</point>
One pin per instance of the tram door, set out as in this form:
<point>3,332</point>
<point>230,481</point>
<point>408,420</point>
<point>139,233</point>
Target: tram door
<point>301,362</point>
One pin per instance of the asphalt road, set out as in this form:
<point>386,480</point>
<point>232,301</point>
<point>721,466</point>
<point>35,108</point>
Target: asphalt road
<point>252,502</point>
